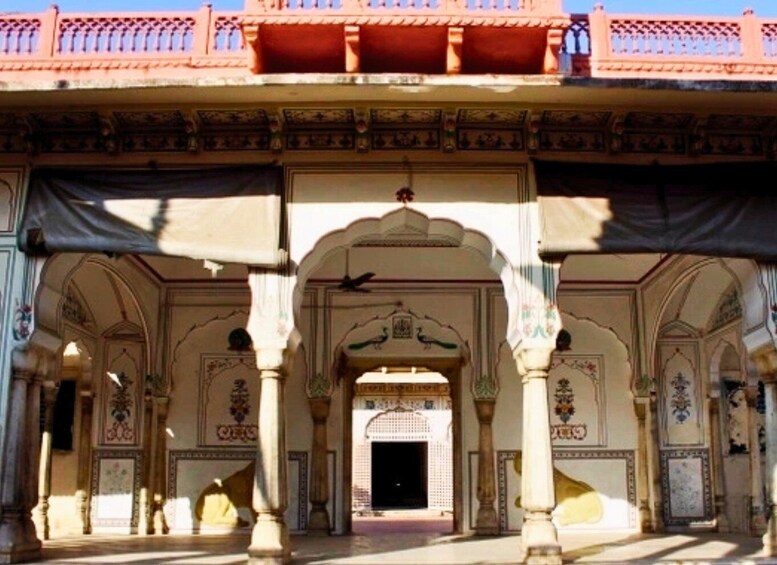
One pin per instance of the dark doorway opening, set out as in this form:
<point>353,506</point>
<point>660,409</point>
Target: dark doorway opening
<point>399,478</point>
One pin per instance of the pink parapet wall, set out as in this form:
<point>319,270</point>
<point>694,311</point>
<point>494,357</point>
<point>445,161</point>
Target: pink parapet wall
<point>517,37</point>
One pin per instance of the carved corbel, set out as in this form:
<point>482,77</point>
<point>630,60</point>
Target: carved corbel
<point>449,132</point>
<point>276,132</point>
<point>352,49</point>
<point>552,49</point>
<point>362,131</point>
<point>698,137</point>
<point>192,129</point>
<point>455,45</point>
<point>30,138</point>
<point>532,133</point>
<point>108,134</point>
<point>616,133</point>
<point>254,44</point>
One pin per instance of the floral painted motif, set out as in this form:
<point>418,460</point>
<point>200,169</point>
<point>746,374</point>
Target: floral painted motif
<point>319,386</point>
<point>121,405</point>
<point>681,399</point>
<point>239,408</point>
<point>22,322</point>
<point>486,387</point>
<point>539,321</point>
<point>586,366</point>
<point>565,400</point>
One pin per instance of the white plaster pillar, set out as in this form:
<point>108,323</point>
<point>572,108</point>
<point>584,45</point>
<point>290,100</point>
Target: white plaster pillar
<point>270,325</point>
<point>539,538</point>
<point>655,458</point>
<point>83,474</point>
<point>145,497</point>
<point>717,464</point>
<point>41,517</point>
<point>643,462</point>
<point>487,521</point>
<point>770,393</point>
<point>158,466</point>
<point>319,523</point>
<point>757,520</point>
<point>18,488</point>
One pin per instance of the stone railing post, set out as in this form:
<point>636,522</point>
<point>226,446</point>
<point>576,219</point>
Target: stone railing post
<point>47,37</point>
<point>599,34</point>
<point>41,517</point>
<point>487,521</point>
<point>539,538</point>
<point>202,31</point>
<point>319,522</point>
<point>751,37</point>
<point>84,463</point>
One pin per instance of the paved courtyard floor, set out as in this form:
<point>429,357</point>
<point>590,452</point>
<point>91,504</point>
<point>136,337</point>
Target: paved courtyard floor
<point>405,549</point>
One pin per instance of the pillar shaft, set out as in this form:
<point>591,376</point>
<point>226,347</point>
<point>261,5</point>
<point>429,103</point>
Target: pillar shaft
<point>717,465</point>
<point>44,467</point>
<point>658,510</point>
<point>539,538</point>
<point>487,522</point>
<point>145,526</point>
<point>770,537</point>
<point>319,523</point>
<point>159,454</point>
<point>646,524</point>
<point>84,463</point>
<point>757,524</point>
<point>18,490</point>
<point>270,542</point>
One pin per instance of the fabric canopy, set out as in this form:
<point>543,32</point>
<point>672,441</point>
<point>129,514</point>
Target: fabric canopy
<point>727,209</point>
<point>230,214</point>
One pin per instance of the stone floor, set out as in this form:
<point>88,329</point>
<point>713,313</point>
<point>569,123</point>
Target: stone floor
<point>404,549</point>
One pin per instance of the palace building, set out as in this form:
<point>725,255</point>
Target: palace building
<point>274,270</point>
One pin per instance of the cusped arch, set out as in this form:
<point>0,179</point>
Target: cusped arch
<point>746,277</point>
<point>403,223</point>
<point>398,424</point>
<point>719,363</point>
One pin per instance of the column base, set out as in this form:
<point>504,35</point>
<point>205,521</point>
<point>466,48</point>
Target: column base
<point>487,523</point>
<point>539,540</point>
<point>17,540</point>
<point>270,543</point>
<point>318,522</point>
<point>770,537</point>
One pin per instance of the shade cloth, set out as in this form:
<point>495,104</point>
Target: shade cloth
<point>229,214</point>
<point>723,209</point>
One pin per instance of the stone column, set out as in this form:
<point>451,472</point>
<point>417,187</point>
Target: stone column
<point>643,462</point>
<point>717,465</point>
<point>487,522</point>
<point>18,541</point>
<point>145,496</point>
<point>319,524</point>
<point>539,539</point>
<point>655,456</point>
<point>757,521</point>
<point>770,537</point>
<point>84,463</point>
<point>271,327</point>
<point>158,469</point>
<point>270,543</point>
<point>41,517</point>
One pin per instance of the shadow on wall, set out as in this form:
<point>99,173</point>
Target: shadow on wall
<point>219,502</point>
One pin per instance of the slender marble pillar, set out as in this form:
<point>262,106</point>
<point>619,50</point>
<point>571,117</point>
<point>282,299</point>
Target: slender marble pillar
<point>17,490</point>
<point>487,523</point>
<point>159,454</point>
<point>41,517</point>
<point>646,524</point>
<point>319,524</point>
<point>270,543</point>
<point>145,499</point>
<point>770,537</point>
<point>655,456</point>
<point>757,520</point>
<point>539,538</point>
<point>84,463</point>
<point>717,465</point>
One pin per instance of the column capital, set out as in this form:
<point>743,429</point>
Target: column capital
<point>534,362</point>
<point>485,408</point>
<point>765,361</point>
<point>319,408</point>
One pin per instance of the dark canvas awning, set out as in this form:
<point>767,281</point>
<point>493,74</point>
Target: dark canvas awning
<point>230,214</point>
<point>725,209</point>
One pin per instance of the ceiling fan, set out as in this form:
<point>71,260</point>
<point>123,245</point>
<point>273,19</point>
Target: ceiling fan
<point>349,284</point>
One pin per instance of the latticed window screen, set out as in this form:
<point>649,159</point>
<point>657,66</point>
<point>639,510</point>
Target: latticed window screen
<point>404,425</point>
<point>398,425</point>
